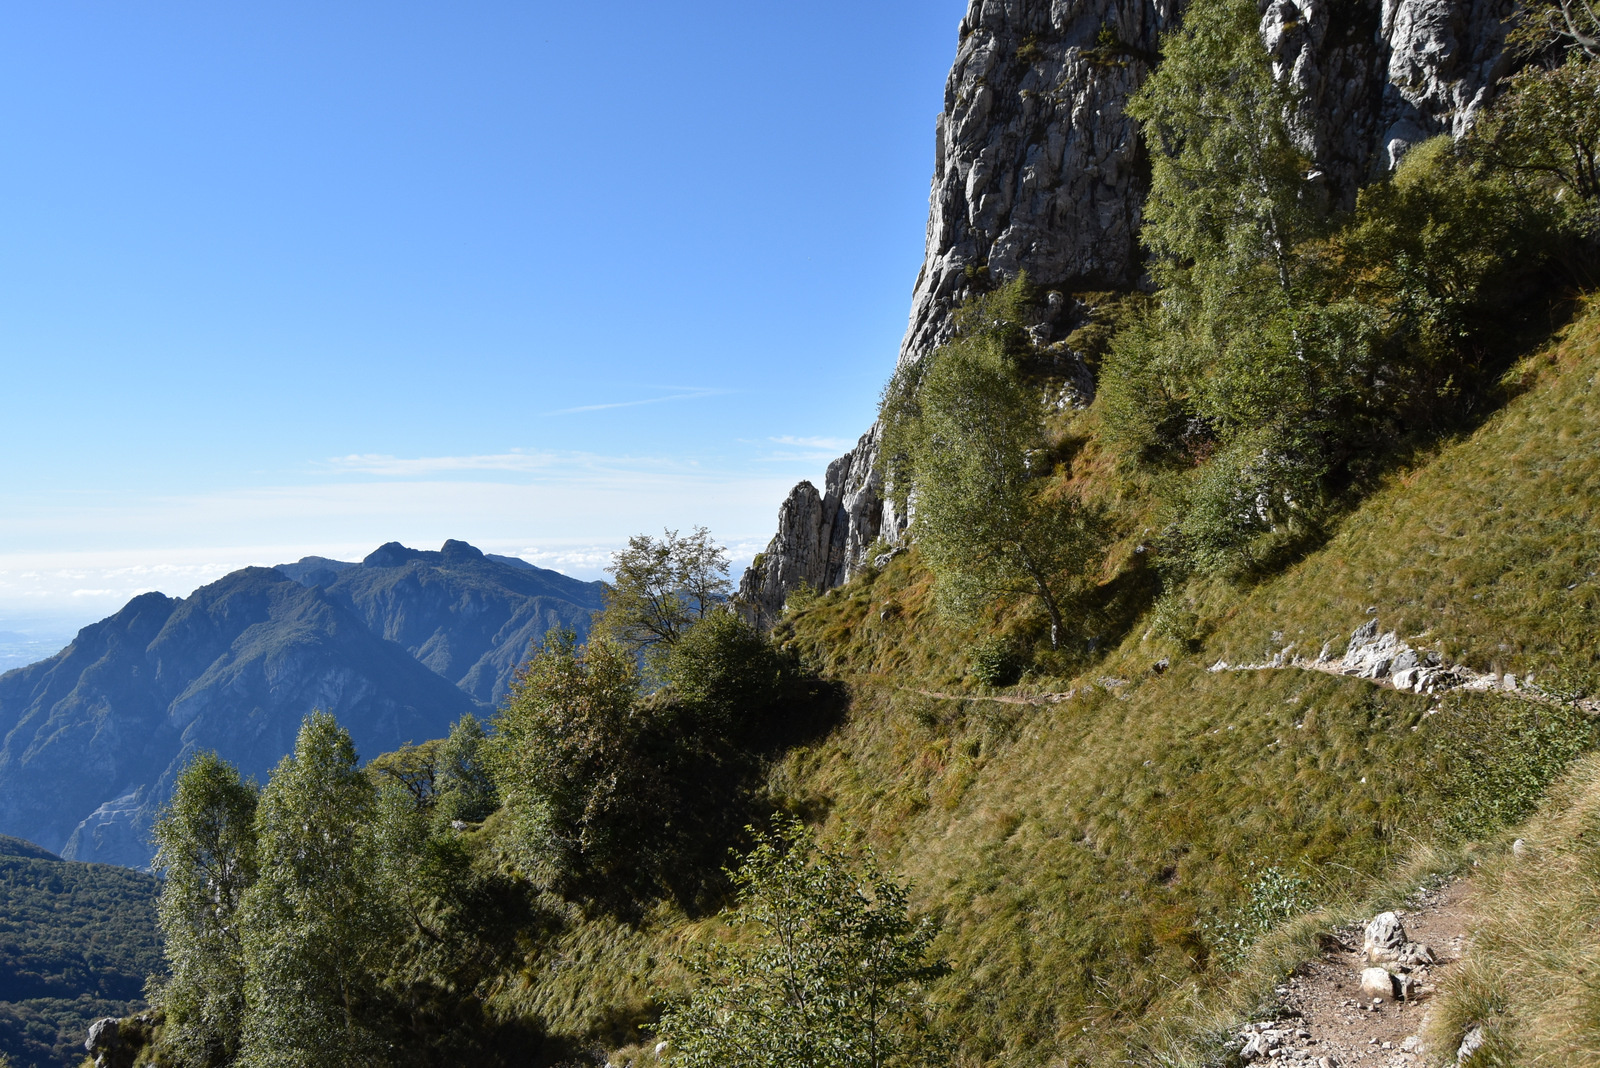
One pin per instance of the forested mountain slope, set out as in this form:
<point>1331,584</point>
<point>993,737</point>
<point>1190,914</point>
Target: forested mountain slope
<point>77,942</point>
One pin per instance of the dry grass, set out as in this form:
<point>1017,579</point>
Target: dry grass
<point>1532,978</point>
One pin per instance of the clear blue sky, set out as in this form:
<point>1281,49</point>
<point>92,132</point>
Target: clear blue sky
<point>293,278</point>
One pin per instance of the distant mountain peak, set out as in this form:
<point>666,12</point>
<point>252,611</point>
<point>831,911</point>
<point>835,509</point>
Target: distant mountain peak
<point>460,550</point>
<point>397,646</point>
<point>391,554</point>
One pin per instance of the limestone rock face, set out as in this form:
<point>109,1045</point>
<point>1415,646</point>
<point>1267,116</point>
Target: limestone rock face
<point>822,537</point>
<point>1037,168</point>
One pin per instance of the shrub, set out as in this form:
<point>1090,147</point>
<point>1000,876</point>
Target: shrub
<point>833,975</point>
<point>997,661</point>
<point>1272,896</point>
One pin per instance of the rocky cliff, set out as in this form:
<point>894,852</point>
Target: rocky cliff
<point>1037,168</point>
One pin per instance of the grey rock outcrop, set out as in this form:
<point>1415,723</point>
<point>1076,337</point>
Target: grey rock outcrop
<point>1383,938</point>
<point>1376,983</point>
<point>1038,168</point>
<point>823,537</point>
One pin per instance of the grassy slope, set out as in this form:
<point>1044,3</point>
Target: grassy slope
<point>1079,851</point>
<point>1085,855</point>
<point>1533,979</point>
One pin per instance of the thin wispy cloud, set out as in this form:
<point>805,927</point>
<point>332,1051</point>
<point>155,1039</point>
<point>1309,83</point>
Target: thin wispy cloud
<point>411,467</point>
<point>835,444</point>
<point>692,394</point>
<point>548,466</point>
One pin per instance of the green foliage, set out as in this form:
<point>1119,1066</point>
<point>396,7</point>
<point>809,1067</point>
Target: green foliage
<point>446,777</point>
<point>833,978</point>
<point>1560,25</point>
<point>621,798</point>
<point>77,942</point>
<point>1289,350</point>
<point>1273,896</point>
<point>997,661</point>
<point>801,597</point>
<point>1548,127</point>
<point>1229,197</point>
<point>662,588</point>
<point>1429,254</point>
<point>315,927</point>
<point>465,787</point>
<point>373,928</point>
<point>964,434</point>
<point>414,769</point>
<point>572,759</point>
<point>206,853</point>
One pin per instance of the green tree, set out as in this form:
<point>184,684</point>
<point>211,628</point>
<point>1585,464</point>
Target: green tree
<point>318,934</point>
<point>833,977</point>
<point>465,786</point>
<point>964,447</point>
<point>1229,193</point>
<point>661,588</point>
<point>1230,207</point>
<point>568,763</point>
<point>414,769</point>
<point>1547,126</point>
<point>206,855</point>
<point>729,674</point>
<point>1562,25</point>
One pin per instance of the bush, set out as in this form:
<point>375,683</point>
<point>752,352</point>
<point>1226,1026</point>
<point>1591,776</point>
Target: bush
<point>832,978</point>
<point>621,798</point>
<point>997,661</point>
<point>1272,896</point>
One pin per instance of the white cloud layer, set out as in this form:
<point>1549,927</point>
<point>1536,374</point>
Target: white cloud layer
<point>564,511</point>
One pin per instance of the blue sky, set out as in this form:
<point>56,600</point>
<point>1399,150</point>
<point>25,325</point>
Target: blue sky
<point>294,278</point>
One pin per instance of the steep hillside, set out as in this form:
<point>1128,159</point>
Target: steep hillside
<point>1039,168</point>
<point>94,735</point>
<point>1109,855</point>
<point>77,942</point>
<point>1122,851</point>
<point>1086,839</point>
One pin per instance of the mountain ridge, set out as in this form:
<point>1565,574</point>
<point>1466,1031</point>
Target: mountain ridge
<point>397,646</point>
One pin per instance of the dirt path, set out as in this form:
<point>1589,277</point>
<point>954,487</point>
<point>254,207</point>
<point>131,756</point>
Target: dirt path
<point>1324,1017</point>
<point>1001,698</point>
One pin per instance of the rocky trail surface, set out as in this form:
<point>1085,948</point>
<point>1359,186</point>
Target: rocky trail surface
<point>1384,659</point>
<point>1363,1001</point>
